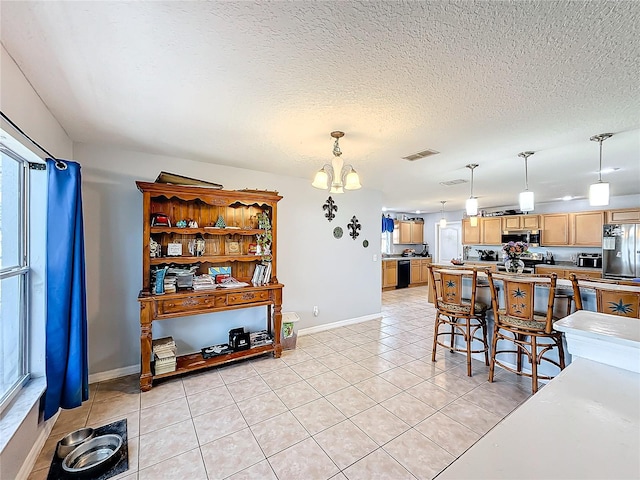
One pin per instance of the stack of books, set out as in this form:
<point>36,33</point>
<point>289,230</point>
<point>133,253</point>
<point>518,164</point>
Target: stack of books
<point>204,282</point>
<point>260,338</point>
<point>261,274</point>
<point>169,284</point>
<point>164,354</point>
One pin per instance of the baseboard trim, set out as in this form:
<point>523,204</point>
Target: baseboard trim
<point>111,374</point>
<point>341,323</point>
<point>34,453</point>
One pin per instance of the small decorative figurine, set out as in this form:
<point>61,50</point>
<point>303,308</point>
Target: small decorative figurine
<point>181,224</point>
<point>220,222</point>
<point>154,248</point>
<point>193,224</point>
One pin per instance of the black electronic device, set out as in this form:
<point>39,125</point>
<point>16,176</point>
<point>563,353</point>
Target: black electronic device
<point>239,339</point>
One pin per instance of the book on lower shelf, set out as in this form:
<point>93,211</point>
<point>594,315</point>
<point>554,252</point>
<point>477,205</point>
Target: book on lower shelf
<point>164,355</point>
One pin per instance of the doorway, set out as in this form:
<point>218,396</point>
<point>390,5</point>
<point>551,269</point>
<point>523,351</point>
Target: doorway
<point>448,242</point>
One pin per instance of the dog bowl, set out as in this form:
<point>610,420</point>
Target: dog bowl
<point>70,441</point>
<point>94,455</point>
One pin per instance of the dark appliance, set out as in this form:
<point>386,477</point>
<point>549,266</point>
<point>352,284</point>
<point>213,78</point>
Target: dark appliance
<point>621,251</point>
<point>404,273</point>
<point>425,250</point>
<point>592,260</point>
<point>531,237</point>
<point>239,339</point>
<point>488,255</point>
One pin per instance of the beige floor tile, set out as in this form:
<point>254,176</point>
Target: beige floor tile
<point>397,357</point>
<point>375,347</point>
<point>297,394</point>
<point>335,360</point>
<point>377,388</point>
<point>309,368</point>
<point>357,353</point>
<point>317,350</point>
<point>317,416</point>
<point>291,357</point>
<point>423,368</point>
<point>453,383</point>
<point>408,408</point>
<point>117,406</point>
<point>281,378</point>
<point>345,443</point>
<point>378,465</point>
<point>376,364</point>
<point>133,423</point>
<point>340,343</point>
<point>231,454</point>
<point>261,407</point>
<point>163,415</point>
<point>237,371</point>
<point>260,471</point>
<point>243,389</point>
<point>306,341</point>
<point>391,330</point>
<point>188,465</point>
<point>70,420</point>
<point>216,424</point>
<point>202,381</point>
<point>393,342</point>
<point>267,363</point>
<point>165,443</point>
<point>418,454</point>
<point>401,378</point>
<point>209,400</point>
<point>471,416</point>
<point>432,394</point>
<point>380,424</point>
<point>492,401</point>
<point>354,373</point>
<point>162,393</point>
<point>339,476</point>
<point>418,349</point>
<point>129,385</point>
<point>454,437</point>
<point>43,461</point>
<point>304,460</point>
<point>278,433</point>
<point>133,451</point>
<point>350,401</point>
<point>327,383</point>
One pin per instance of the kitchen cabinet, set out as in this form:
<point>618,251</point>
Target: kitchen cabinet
<point>470,235</point>
<point>555,229</point>
<point>564,271</point>
<point>491,228</point>
<point>587,229</point>
<point>410,232</point>
<point>628,215</point>
<point>389,274</point>
<point>521,222</point>
<point>420,271</point>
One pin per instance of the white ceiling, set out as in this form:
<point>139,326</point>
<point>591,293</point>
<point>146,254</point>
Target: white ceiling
<point>260,85</point>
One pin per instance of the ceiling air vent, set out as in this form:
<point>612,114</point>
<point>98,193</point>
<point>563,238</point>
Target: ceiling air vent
<point>419,155</point>
<point>458,181</point>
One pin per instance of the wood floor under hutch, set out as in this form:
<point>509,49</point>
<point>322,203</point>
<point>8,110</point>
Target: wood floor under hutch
<point>357,402</point>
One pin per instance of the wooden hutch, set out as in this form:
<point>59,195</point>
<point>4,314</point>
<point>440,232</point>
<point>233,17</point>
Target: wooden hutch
<point>232,246</point>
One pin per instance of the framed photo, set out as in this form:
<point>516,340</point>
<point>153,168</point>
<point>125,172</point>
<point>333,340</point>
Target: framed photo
<point>233,247</point>
<point>174,249</point>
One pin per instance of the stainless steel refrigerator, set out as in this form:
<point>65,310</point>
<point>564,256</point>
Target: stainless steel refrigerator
<point>621,251</point>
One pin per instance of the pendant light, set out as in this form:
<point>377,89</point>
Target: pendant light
<point>337,177</point>
<point>472,202</point>
<point>526,197</point>
<point>599,191</point>
<point>443,221</point>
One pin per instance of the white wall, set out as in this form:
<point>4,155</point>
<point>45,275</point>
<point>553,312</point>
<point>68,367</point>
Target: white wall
<point>23,106</point>
<point>339,276</point>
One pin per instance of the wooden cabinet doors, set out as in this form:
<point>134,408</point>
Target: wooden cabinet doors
<point>555,229</point>
<point>587,229</point>
<point>470,235</point>
<point>491,231</point>
<point>389,273</point>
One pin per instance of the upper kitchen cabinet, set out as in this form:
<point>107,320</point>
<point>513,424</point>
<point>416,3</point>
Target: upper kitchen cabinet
<point>587,229</point>
<point>470,235</point>
<point>555,229</point>
<point>491,230</point>
<point>582,229</point>
<point>521,222</point>
<point>628,215</point>
<point>410,232</point>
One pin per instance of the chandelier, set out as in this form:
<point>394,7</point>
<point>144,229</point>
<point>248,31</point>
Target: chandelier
<point>526,198</point>
<point>336,177</point>
<point>599,191</point>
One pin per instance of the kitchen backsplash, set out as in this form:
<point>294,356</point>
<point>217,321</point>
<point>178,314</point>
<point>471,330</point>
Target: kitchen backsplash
<point>560,254</point>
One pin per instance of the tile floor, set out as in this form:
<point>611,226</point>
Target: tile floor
<point>357,402</point>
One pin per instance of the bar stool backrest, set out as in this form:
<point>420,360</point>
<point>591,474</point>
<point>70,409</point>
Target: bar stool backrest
<point>615,297</point>
<point>448,296</point>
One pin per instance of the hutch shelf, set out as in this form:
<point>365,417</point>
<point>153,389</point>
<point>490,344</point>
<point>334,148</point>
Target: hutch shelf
<point>232,246</point>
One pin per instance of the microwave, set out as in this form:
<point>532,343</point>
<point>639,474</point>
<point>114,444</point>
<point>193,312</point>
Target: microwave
<point>531,237</point>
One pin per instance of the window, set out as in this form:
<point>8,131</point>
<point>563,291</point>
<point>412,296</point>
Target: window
<point>14,270</point>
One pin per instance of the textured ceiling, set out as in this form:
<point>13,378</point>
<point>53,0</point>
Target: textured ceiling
<point>261,85</point>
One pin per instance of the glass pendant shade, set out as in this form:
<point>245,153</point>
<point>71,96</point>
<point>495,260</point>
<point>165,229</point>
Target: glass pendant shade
<point>443,222</point>
<point>352,181</point>
<point>526,201</point>
<point>472,206</point>
<point>473,221</point>
<point>321,180</point>
<point>599,194</point>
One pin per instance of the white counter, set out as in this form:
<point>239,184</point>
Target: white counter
<point>585,424</point>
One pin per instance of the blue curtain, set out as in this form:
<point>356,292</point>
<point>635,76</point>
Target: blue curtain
<point>66,343</point>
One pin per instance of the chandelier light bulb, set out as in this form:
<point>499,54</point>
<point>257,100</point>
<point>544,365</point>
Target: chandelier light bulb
<point>472,202</point>
<point>599,191</point>
<point>526,198</point>
<point>337,177</point>
<point>443,221</point>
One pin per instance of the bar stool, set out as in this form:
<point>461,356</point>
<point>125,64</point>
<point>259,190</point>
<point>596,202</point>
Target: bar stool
<point>466,318</point>
<point>615,297</point>
<point>518,322</point>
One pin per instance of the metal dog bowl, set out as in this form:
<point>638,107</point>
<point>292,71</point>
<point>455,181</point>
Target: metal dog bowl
<point>97,454</point>
<point>72,440</point>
